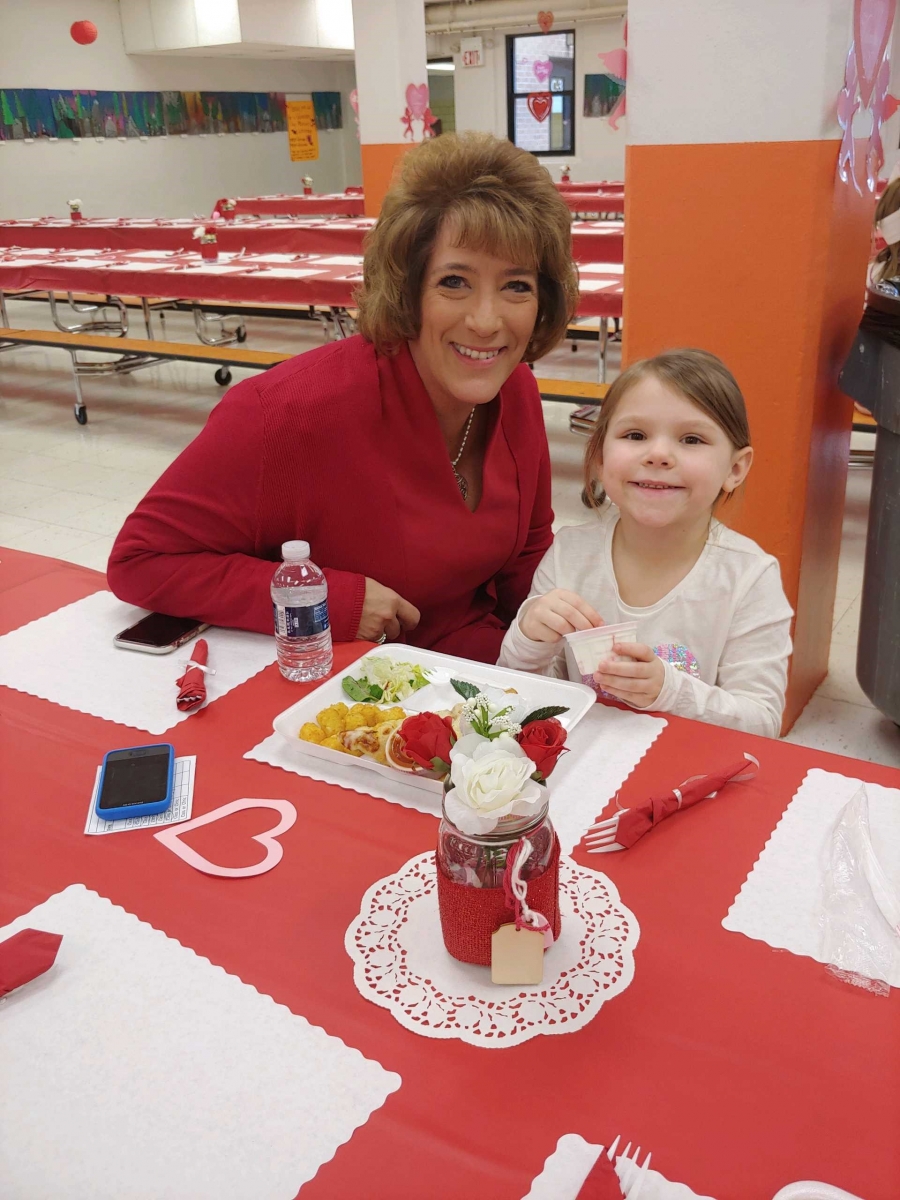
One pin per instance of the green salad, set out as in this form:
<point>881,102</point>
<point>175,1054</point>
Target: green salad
<point>383,681</point>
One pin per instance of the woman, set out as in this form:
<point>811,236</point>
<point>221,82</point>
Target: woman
<point>411,457</point>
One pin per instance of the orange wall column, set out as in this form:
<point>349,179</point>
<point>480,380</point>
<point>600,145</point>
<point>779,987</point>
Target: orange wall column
<point>390,51</point>
<point>740,239</point>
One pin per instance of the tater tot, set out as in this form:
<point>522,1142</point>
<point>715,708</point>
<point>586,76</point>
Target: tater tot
<point>360,716</point>
<point>310,732</point>
<point>389,714</point>
<point>333,719</point>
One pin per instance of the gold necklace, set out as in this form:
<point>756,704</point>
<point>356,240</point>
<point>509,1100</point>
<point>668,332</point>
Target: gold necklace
<point>460,481</point>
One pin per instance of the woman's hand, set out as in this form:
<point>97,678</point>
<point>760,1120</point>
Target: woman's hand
<point>548,617</point>
<point>637,683</point>
<point>385,612</point>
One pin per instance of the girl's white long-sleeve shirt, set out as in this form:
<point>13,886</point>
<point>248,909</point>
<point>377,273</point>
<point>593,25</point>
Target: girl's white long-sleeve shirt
<point>723,632</point>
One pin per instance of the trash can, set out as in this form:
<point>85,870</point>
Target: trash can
<point>871,377</point>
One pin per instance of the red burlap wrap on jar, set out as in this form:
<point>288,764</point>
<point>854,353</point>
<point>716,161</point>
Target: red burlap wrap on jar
<point>471,915</point>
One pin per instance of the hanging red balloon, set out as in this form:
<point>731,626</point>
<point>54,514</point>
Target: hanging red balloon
<point>83,32</point>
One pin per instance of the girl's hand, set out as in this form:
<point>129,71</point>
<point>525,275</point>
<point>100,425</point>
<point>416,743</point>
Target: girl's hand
<point>556,613</point>
<point>637,683</point>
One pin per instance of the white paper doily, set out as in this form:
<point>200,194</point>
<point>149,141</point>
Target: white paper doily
<point>400,963</point>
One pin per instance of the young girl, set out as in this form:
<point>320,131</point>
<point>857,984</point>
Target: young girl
<point>713,622</point>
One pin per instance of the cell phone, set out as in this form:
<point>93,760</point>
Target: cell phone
<point>136,782</point>
<point>158,634</point>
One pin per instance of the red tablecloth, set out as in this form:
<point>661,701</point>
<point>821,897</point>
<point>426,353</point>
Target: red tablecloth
<point>598,241</point>
<point>596,185</point>
<point>595,202</point>
<point>337,204</point>
<point>327,280</point>
<point>741,1068</point>
<point>257,237</point>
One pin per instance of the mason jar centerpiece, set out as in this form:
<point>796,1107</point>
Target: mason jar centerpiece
<point>495,756</point>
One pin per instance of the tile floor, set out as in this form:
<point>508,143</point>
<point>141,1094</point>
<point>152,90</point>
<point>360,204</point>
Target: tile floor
<point>66,489</point>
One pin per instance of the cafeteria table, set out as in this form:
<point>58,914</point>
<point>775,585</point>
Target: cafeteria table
<point>741,1068</point>
<point>286,236</point>
<point>597,185</point>
<point>592,241</point>
<point>595,201</point>
<point>337,204</point>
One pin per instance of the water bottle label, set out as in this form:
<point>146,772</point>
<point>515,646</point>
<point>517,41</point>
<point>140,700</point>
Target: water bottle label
<point>301,622</point>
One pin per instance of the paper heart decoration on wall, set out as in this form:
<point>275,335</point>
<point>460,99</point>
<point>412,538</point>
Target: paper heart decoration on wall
<point>417,99</point>
<point>872,21</point>
<point>545,20</point>
<point>539,105</point>
<point>543,69</point>
<point>171,838</point>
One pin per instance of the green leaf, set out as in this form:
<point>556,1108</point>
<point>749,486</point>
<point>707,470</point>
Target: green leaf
<point>442,768</point>
<point>543,714</point>
<point>375,692</point>
<point>354,689</point>
<point>466,690</point>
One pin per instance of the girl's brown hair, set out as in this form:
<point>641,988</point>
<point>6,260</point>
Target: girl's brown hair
<point>500,200</point>
<point>888,258</point>
<point>696,374</point>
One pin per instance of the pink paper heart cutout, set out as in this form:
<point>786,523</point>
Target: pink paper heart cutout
<point>545,20</point>
<point>171,838</point>
<point>543,69</point>
<point>417,99</point>
<point>872,21</point>
<point>539,105</point>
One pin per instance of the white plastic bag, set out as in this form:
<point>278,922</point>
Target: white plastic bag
<point>861,907</point>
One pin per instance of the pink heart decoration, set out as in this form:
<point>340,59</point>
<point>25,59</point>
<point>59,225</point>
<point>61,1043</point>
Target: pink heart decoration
<point>354,101</point>
<point>616,63</point>
<point>417,99</point>
<point>872,21</point>
<point>539,105</point>
<point>543,68</point>
<point>171,838</point>
<point>545,20</point>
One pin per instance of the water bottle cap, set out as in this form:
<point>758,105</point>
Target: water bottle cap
<point>295,551</point>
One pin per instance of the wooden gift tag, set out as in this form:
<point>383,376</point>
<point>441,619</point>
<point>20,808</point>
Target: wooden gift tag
<point>517,955</point>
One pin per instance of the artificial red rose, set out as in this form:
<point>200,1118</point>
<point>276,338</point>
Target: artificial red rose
<point>543,742</point>
<point>426,738</point>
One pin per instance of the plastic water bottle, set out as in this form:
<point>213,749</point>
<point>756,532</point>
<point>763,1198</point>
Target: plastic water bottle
<point>300,604</point>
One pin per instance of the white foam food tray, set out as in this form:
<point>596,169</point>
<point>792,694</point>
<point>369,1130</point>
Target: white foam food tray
<point>538,690</point>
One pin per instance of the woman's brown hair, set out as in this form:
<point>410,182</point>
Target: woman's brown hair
<point>888,258</point>
<point>696,374</point>
<point>500,201</point>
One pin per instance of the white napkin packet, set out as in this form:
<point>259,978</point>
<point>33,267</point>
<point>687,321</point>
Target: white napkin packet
<point>587,648</point>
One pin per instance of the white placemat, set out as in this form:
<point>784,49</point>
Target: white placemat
<point>135,1068</point>
<point>606,746</point>
<point>400,963</point>
<point>569,1165</point>
<point>179,810</point>
<point>69,657</point>
<point>781,899</point>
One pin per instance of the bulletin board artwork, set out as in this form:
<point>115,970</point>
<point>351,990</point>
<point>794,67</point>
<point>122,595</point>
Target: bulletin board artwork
<point>47,113</point>
<point>601,94</point>
<point>303,136</point>
<point>328,111</point>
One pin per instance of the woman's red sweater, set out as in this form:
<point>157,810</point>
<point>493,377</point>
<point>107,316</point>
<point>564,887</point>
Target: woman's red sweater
<point>342,448</point>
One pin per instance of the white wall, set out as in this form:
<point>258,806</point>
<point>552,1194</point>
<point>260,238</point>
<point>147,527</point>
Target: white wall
<point>169,176</point>
<point>481,95</point>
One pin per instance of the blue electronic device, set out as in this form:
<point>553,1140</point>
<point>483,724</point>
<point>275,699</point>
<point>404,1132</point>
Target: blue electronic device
<point>136,782</point>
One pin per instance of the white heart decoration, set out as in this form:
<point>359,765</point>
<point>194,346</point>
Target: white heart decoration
<point>171,838</point>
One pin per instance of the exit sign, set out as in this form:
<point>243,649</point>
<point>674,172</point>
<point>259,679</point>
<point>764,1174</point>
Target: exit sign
<point>472,51</point>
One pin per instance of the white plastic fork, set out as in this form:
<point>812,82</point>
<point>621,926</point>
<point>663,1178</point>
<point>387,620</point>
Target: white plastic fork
<point>634,1190</point>
<point>603,839</point>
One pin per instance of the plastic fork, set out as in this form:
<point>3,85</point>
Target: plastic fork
<point>603,836</point>
<point>634,1190</point>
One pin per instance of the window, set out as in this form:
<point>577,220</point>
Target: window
<point>540,92</point>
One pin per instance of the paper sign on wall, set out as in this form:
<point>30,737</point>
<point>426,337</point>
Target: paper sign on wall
<point>303,137</point>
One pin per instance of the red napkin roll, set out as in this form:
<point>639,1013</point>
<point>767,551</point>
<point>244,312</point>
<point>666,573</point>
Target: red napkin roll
<point>25,955</point>
<point>635,822</point>
<point>192,684</point>
<point>602,1182</point>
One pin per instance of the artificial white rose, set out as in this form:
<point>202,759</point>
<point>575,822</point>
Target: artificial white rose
<point>491,779</point>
